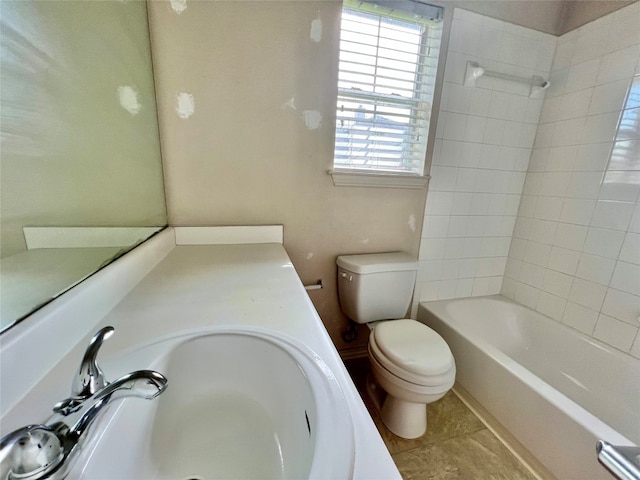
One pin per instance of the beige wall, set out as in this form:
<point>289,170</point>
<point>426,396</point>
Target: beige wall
<point>246,155</point>
<point>556,17</point>
<point>580,12</point>
<point>543,15</point>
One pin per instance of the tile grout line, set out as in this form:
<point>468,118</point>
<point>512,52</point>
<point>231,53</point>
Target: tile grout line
<point>434,444</point>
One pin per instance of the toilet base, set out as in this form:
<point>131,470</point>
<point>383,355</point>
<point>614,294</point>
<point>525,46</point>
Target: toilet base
<point>404,419</point>
<point>402,405</point>
<point>375,393</point>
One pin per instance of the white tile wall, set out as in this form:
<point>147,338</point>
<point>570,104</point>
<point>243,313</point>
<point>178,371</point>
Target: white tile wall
<point>580,200</point>
<point>484,140</point>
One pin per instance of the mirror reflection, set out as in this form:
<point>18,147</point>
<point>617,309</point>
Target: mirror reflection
<point>80,165</point>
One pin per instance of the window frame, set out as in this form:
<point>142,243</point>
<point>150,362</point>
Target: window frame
<point>380,177</point>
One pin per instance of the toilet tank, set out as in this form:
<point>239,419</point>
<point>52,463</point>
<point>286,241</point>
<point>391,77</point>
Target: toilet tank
<point>376,286</point>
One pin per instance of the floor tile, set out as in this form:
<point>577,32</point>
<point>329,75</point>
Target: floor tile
<point>456,446</point>
<point>478,455</point>
<point>447,418</point>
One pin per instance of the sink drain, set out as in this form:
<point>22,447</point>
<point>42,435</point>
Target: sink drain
<point>194,477</point>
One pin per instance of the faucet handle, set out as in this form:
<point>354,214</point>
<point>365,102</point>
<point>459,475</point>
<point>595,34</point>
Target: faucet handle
<point>90,377</point>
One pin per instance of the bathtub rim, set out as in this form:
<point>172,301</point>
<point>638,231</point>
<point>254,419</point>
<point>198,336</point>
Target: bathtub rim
<point>597,427</point>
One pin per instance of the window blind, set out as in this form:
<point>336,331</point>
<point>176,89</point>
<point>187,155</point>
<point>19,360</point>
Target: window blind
<point>387,69</point>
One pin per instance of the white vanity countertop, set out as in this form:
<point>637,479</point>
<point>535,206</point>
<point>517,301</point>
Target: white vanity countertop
<point>197,286</point>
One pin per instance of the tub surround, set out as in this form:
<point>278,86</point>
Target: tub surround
<point>191,287</point>
<point>572,227</point>
<point>483,144</point>
<point>556,405</point>
<point>575,250</point>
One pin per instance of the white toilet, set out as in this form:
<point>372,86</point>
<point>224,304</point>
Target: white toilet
<point>410,362</point>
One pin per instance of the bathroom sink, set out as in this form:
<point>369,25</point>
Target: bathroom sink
<point>241,404</point>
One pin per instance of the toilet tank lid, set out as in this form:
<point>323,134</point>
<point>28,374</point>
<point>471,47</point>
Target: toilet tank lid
<point>378,262</point>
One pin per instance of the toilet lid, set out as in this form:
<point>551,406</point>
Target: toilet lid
<point>413,346</point>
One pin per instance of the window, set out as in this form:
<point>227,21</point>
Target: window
<point>387,69</point>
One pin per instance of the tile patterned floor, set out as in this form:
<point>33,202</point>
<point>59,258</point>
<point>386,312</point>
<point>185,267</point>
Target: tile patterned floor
<point>457,444</point>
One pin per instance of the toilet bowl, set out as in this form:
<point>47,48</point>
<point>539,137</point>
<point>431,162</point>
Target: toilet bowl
<point>414,366</point>
<point>411,364</point>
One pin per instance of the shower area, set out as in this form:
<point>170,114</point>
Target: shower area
<point>534,201</point>
<point>534,192</point>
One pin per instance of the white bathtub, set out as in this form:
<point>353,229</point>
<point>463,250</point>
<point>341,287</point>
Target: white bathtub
<point>556,390</point>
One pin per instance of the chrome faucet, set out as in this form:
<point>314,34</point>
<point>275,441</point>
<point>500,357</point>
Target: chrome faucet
<point>623,462</point>
<point>47,451</point>
<point>89,379</point>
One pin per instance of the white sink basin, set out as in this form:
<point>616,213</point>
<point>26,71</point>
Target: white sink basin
<point>240,404</point>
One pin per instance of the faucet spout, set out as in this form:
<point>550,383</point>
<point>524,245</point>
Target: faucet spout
<point>145,384</point>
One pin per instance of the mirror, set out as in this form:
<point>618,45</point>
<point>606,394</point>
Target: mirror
<point>80,167</point>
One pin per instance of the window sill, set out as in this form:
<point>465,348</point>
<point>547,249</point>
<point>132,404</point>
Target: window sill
<point>357,178</point>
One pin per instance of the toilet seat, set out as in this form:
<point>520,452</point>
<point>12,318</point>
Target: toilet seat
<point>413,352</point>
